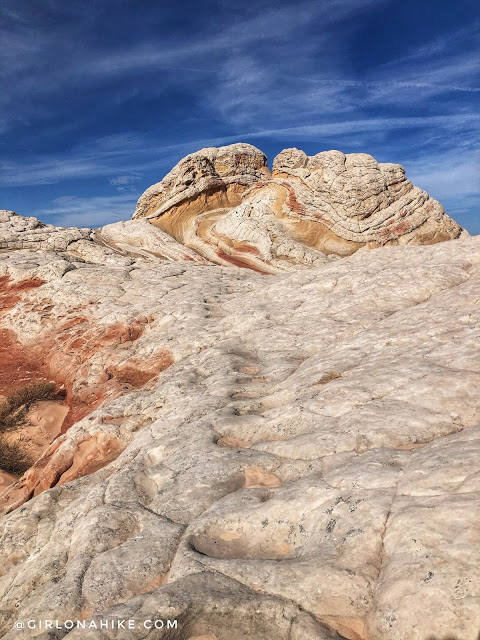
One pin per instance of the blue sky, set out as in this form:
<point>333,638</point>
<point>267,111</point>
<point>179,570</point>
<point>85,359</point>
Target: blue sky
<point>101,99</point>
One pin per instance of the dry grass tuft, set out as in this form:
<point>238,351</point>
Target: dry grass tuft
<point>12,458</point>
<point>13,411</point>
<point>14,407</point>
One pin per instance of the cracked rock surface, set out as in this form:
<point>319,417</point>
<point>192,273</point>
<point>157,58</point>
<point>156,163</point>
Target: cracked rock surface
<point>283,457</point>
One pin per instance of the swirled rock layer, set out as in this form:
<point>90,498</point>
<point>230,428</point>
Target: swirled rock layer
<point>284,457</point>
<point>225,204</point>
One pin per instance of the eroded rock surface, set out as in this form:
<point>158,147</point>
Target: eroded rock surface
<point>287,457</point>
<point>224,203</point>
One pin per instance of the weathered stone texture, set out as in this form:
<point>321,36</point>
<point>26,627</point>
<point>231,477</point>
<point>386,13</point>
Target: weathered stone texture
<point>225,204</point>
<point>285,457</point>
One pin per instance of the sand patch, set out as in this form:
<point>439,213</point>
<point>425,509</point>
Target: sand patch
<point>6,479</point>
<point>43,424</point>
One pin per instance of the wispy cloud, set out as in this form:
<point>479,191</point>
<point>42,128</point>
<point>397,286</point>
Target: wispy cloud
<point>265,72</point>
<point>133,154</point>
<point>103,156</point>
<point>264,26</point>
<point>393,85</point>
<point>341,128</point>
<point>448,175</point>
<point>454,179</point>
<point>124,183</point>
<point>30,64</point>
<point>73,211</point>
<point>258,67</point>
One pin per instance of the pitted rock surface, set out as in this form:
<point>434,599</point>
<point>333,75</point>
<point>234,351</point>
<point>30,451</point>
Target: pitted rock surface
<point>284,457</point>
<point>225,204</point>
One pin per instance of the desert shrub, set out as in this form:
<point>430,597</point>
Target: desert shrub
<point>12,457</point>
<point>29,394</point>
<point>14,407</point>
<point>13,410</point>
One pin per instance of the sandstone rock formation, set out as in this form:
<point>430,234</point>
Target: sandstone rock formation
<point>283,457</point>
<point>225,204</point>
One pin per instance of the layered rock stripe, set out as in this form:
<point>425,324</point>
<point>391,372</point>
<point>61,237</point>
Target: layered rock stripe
<point>226,205</point>
<point>285,457</point>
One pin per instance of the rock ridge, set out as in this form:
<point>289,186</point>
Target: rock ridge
<point>291,456</point>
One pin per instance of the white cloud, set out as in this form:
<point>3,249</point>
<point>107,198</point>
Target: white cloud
<point>96,211</point>
<point>447,176</point>
<point>453,126</point>
<point>274,33</point>
<point>122,158</point>
<point>264,26</point>
<point>122,180</point>
<point>124,183</point>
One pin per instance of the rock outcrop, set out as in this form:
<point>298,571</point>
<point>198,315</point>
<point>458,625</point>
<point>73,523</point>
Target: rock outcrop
<point>284,457</point>
<point>225,204</point>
